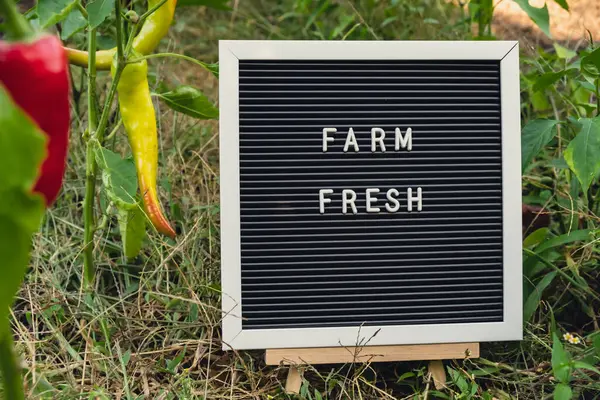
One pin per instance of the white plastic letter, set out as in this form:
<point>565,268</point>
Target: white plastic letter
<point>323,200</point>
<point>418,198</point>
<point>327,139</point>
<point>403,141</point>
<point>372,200</point>
<point>391,196</point>
<point>351,140</point>
<point>377,135</point>
<point>348,200</point>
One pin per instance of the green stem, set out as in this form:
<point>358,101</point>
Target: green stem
<point>17,24</point>
<point>89,269</point>
<point>480,19</point>
<point>95,137</point>
<point>114,131</point>
<point>119,24</point>
<point>138,26</point>
<point>150,11</point>
<point>112,91</point>
<point>11,372</point>
<point>174,55</point>
<point>597,96</point>
<point>82,9</point>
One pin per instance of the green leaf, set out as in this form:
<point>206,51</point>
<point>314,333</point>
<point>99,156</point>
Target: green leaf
<point>590,66</point>
<point>561,360</point>
<point>74,23</point>
<point>126,357</point>
<point>539,101</point>
<point>535,238</point>
<point>405,376</point>
<point>459,380</point>
<point>563,52</point>
<point>583,153</point>
<point>174,363</point>
<point>539,16</point>
<point>132,224</point>
<point>216,4</point>
<point>346,20</point>
<point>105,42</point>
<point>440,395</point>
<point>597,343</point>
<point>51,12</point>
<point>534,136</point>
<point>190,101</point>
<point>559,163</point>
<point>586,366</point>
<point>98,395</point>
<point>213,68</point>
<point>549,78</point>
<point>563,4</point>
<point>98,11</point>
<point>533,301</point>
<point>562,392</point>
<point>22,146</point>
<point>20,216</point>
<point>119,178</point>
<point>22,150</point>
<point>574,236</point>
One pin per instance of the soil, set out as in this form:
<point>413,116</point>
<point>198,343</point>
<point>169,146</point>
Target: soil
<point>569,27</point>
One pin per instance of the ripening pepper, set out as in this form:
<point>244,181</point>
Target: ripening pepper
<point>154,29</point>
<point>139,119</point>
<point>34,70</point>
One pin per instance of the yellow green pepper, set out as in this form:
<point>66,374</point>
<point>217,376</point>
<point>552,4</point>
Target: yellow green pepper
<point>139,119</point>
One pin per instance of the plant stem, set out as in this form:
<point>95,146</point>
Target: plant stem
<point>81,9</point>
<point>150,11</point>
<point>174,55</point>
<point>11,372</point>
<point>597,96</point>
<point>114,131</point>
<point>121,62</point>
<point>89,268</point>
<point>112,91</point>
<point>138,26</point>
<point>119,24</point>
<point>95,138</point>
<point>480,20</point>
<point>17,24</point>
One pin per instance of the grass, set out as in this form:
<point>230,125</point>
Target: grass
<point>150,328</point>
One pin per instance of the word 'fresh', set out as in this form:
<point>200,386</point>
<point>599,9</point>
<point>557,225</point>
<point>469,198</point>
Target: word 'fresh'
<point>392,205</point>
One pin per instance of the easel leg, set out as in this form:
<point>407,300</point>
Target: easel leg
<point>294,380</point>
<point>436,369</point>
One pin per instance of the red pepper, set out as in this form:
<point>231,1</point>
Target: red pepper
<point>34,70</point>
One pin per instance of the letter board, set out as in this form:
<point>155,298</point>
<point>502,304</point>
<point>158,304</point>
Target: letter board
<point>370,192</point>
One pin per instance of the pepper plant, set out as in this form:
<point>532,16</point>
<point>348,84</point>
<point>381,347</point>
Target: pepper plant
<point>33,147</point>
<point>136,37</point>
<point>34,132</point>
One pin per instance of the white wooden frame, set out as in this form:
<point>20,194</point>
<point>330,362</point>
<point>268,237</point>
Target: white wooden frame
<point>234,337</point>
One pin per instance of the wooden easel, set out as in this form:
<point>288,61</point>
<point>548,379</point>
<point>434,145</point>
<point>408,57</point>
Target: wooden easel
<point>434,353</point>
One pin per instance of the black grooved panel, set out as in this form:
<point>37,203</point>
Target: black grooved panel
<point>301,268</point>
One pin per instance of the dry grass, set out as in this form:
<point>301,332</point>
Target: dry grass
<point>150,328</point>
